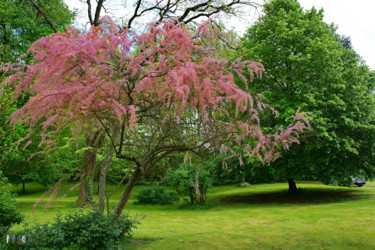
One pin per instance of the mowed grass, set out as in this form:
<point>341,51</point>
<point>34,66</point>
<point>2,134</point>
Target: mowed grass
<point>370,184</point>
<point>254,217</point>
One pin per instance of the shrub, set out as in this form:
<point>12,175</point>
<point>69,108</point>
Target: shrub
<point>81,231</point>
<point>156,195</point>
<point>189,206</point>
<point>192,180</point>
<point>244,184</point>
<point>9,213</point>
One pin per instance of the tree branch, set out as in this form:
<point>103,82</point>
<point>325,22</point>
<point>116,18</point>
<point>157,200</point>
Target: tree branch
<point>97,12</point>
<point>45,15</point>
<point>89,12</point>
<point>135,15</point>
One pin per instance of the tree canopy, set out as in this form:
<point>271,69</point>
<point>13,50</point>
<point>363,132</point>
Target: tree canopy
<point>308,67</point>
<point>23,22</point>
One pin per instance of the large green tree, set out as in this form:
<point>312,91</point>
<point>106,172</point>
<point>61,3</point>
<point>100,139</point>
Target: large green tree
<point>307,67</point>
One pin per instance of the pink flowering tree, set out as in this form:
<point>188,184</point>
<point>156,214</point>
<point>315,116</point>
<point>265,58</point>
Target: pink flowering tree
<point>154,94</point>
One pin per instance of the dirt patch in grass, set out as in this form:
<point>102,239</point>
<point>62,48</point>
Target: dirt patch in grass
<point>138,243</point>
<point>304,196</point>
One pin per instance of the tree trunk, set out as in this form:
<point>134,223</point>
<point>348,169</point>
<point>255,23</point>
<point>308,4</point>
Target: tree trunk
<point>192,199</point>
<point>292,186</point>
<point>243,179</point>
<point>127,192</point>
<point>88,168</point>
<point>87,177</point>
<point>23,187</point>
<point>102,179</point>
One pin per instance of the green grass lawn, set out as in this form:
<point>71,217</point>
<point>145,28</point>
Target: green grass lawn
<point>370,184</point>
<point>253,217</point>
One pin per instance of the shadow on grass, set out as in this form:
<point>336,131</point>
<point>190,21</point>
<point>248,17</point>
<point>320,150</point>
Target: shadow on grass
<point>304,196</point>
<point>30,191</point>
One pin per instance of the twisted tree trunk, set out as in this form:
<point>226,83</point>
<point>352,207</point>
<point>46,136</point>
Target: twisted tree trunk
<point>128,190</point>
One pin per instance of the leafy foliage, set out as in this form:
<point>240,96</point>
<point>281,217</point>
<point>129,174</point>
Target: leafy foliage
<point>9,212</point>
<point>192,180</point>
<point>79,230</point>
<point>21,24</point>
<point>308,67</point>
<point>156,195</point>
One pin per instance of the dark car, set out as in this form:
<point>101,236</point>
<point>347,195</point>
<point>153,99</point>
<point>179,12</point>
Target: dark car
<point>358,182</point>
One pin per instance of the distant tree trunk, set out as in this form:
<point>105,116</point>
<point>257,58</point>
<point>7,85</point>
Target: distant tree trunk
<point>292,186</point>
<point>23,187</point>
<point>128,190</point>
<point>198,193</point>
<point>192,200</point>
<point>243,179</point>
<point>98,183</point>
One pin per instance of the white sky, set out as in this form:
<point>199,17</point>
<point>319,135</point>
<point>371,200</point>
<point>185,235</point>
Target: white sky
<point>355,18</point>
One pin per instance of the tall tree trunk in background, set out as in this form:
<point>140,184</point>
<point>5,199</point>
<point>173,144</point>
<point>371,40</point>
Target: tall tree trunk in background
<point>128,190</point>
<point>243,179</point>
<point>292,186</point>
<point>88,168</point>
<point>23,187</point>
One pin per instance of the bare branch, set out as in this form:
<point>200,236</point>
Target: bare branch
<point>187,11</point>
<point>135,13</point>
<point>89,11</point>
<point>97,12</point>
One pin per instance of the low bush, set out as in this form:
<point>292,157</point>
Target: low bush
<point>192,180</point>
<point>156,195</point>
<point>77,230</point>
<point>9,212</point>
<point>244,184</point>
<point>187,205</point>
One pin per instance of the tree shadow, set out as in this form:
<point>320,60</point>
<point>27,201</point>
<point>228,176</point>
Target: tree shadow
<point>303,196</point>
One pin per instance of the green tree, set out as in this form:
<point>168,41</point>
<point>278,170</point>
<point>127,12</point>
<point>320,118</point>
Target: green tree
<point>307,67</point>
<point>14,161</point>
<point>23,22</point>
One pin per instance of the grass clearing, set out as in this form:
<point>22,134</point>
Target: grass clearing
<point>257,216</point>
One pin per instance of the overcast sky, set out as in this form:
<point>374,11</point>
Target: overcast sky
<point>355,18</point>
